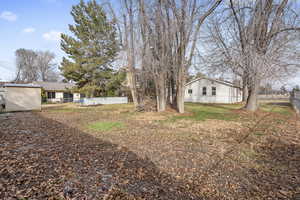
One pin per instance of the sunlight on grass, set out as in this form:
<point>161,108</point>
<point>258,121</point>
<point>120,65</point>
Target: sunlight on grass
<point>105,126</point>
<point>65,109</point>
<point>73,108</point>
<point>281,109</point>
<point>201,112</point>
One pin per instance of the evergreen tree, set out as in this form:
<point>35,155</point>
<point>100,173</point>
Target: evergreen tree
<point>91,50</point>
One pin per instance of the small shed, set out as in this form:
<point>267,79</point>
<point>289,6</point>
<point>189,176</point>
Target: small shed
<point>20,97</point>
<point>207,90</point>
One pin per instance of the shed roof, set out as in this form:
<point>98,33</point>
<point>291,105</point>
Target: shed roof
<point>21,85</point>
<point>216,80</point>
<point>55,86</point>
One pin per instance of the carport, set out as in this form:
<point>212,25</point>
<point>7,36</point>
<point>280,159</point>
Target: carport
<point>20,97</point>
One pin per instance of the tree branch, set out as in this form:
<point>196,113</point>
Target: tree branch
<point>200,22</point>
<point>285,29</point>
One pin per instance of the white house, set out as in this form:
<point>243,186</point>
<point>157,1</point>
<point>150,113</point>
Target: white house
<point>59,92</point>
<point>207,90</point>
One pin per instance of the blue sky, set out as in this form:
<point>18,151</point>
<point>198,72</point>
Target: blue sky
<point>37,24</point>
<point>31,24</point>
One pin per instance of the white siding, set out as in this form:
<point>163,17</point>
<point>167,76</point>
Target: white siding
<point>224,93</point>
<point>76,97</point>
<point>59,96</point>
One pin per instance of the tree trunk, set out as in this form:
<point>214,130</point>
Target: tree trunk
<point>180,90</point>
<point>170,94</point>
<point>132,86</point>
<point>161,100</point>
<point>252,100</point>
<point>161,93</point>
<point>245,86</point>
<point>180,101</point>
<point>174,94</point>
<point>245,92</point>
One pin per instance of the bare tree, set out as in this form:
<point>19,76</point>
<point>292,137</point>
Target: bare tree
<point>129,45</point>
<point>256,40</point>
<point>35,65</point>
<point>167,32</point>
<point>26,66</point>
<point>46,66</point>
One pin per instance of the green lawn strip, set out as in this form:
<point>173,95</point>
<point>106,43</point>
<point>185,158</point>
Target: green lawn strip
<point>201,112</point>
<point>58,110</point>
<point>281,109</point>
<point>105,126</point>
<point>100,108</point>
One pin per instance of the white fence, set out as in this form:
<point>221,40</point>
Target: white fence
<point>274,96</point>
<point>104,100</point>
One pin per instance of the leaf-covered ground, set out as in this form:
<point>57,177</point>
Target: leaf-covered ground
<point>55,154</point>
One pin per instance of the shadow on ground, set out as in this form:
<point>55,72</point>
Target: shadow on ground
<point>44,159</point>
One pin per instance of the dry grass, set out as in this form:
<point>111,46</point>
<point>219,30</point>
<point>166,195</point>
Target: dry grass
<point>215,151</point>
<point>196,143</point>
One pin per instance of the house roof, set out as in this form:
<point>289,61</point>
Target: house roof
<point>21,85</point>
<point>55,86</point>
<point>3,82</point>
<point>215,80</point>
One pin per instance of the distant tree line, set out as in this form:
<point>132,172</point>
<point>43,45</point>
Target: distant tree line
<point>157,42</point>
<point>35,66</point>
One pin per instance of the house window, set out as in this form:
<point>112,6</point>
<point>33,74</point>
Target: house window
<point>51,95</point>
<point>204,91</point>
<point>213,91</point>
<point>190,91</point>
<point>68,97</point>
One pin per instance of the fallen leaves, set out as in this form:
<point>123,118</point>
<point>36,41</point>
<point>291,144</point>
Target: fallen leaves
<point>49,156</point>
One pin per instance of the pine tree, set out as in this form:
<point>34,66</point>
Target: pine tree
<point>92,49</point>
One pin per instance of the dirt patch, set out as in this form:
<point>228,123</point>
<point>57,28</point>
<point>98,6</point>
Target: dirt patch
<point>65,163</point>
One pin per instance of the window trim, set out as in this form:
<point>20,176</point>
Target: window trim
<point>214,91</point>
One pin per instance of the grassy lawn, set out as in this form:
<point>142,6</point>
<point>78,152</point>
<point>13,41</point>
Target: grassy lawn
<point>202,112</point>
<point>213,151</point>
<point>283,108</point>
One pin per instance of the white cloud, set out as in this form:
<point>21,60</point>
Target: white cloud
<point>29,30</point>
<point>9,16</point>
<point>52,35</point>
